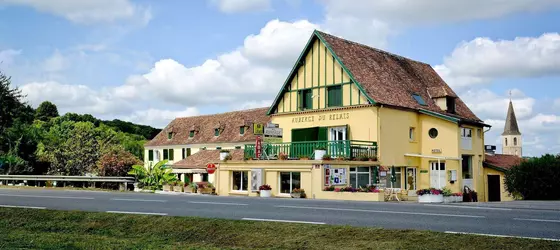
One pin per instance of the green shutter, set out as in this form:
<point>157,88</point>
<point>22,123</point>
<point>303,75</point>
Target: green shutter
<point>188,152</point>
<point>169,136</point>
<point>216,132</point>
<point>242,129</point>
<point>183,153</point>
<point>191,133</point>
<point>308,99</point>
<point>323,134</point>
<point>165,154</point>
<point>171,154</point>
<point>335,96</point>
<point>150,155</point>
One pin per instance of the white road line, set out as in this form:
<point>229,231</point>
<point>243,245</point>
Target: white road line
<point>218,203</point>
<point>503,236</point>
<point>288,221</point>
<point>384,211</point>
<point>455,206</point>
<point>119,199</point>
<point>539,220</point>
<point>10,206</point>
<point>126,212</point>
<point>50,197</point>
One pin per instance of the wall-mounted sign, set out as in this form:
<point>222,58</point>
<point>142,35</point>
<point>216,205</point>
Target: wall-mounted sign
<point>335,176</point>
<point>329,117</point>
<point>210,168</point>
<point>272,125</point>
<point>273,132</point>
<point>423,171</point>
<point>258,147</point>
<point>436,151</point>
<point>258,129</point>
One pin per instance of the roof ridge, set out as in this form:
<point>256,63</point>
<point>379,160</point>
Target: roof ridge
<point>372,48</point>
<point>222,113</point>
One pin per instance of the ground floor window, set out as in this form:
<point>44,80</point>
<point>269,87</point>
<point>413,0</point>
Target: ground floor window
<point>289,181</point>
<point>410,179</point>
<point>240,181</point>
<point>360,177</point>
<point>204,177</point>
<point>397,183</point>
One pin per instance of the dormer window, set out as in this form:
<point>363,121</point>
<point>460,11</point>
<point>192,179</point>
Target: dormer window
<point>450,101</point>
<point>169,135</point>
<point>216,132</point>
<point>242,130</point>
<point>419,99</point>
<point>191,133</point>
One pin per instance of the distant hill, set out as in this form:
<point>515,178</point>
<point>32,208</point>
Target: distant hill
<point>145,131</point>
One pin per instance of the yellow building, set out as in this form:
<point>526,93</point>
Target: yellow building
<point>371,112</point>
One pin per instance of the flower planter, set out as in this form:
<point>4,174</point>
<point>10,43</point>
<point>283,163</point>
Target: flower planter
<point>167,188</point>
<point>265,193</point>
<point>430,198</point>
<point>188,189</point>
<point>295,195</point>
<point>205,190</point>
<point>352,196</point>
<point>223,155</point>
<point>178,188</point>
<point>449,199</point>
<point>319,153</point>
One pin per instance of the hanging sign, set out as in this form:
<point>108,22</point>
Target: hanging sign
<point>258,147</point>
<point>210,168</point>
<point>258,129</point>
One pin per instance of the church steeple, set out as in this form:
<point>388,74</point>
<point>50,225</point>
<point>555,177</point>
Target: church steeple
<point>511,137</point>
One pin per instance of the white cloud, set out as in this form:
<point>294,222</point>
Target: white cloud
<point>482,60</point>
<point>489,105</point>
<point>556,104</point>
<point>89,11</point>
<point>159,117</point>
<point>7,56</point>
<point>235,6</point>
<point>57,62</point>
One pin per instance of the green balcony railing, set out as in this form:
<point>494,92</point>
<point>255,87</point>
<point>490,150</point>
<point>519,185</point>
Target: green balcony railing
<point>347,149</point>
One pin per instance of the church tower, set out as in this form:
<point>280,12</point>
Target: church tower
<point>511,137</point>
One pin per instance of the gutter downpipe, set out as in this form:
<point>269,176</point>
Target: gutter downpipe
<point>379,131</point>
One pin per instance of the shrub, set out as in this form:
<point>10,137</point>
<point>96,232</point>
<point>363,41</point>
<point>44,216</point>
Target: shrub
<point>265,187</point>
<point>535,179</point>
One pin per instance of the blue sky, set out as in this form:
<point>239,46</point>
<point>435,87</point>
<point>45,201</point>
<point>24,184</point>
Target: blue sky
<point>150,61</point>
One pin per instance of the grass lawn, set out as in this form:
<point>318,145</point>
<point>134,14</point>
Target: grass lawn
<point>48,229</point>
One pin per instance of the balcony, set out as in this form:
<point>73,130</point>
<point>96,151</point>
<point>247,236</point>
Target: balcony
<point>347,150</point>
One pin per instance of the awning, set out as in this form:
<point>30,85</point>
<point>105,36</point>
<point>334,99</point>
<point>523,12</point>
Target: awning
<point>189,171</point>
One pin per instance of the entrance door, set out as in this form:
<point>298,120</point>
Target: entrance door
<point>494,188</point>
<point>437,175</point>
<point>337,136</point>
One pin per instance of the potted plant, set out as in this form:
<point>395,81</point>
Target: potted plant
<point>187,187</point>
<point>228,157</point>
<point>166,187</point>
<point>298,193</point>
<point>303,157</point>
<point>363,157</point>
<point>223,154</point>
<point>192,188</point>
<point>448,196</point>
<point>320,152</point>
<point>177,186</point>
<point>326,157</point>
<point>373,158</point>
<point>430,195</point>
<point>283,156</point>
<point>265,191</point>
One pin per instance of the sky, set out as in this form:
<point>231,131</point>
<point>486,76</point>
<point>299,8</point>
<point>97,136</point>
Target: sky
<point>151,61</point>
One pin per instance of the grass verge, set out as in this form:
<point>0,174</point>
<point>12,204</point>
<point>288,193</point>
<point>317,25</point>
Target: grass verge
<point>48,229</point>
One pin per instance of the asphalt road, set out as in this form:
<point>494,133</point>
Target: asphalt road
<point>504,220</point>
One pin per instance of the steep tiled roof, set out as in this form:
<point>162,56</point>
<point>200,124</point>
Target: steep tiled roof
<point>511,127</point>
<point>204,126</point>
<point>501,161</point>
<point>203,157</point>
<point>391,79</point>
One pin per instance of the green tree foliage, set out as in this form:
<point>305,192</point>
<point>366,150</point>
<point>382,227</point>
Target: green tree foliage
<point>116,162</point>
<point>153,177</point>
<point>536,178</point>
<point>46,111</point>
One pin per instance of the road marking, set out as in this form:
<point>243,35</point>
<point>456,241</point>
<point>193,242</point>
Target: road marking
<point>126,212</point>
<point>489,208</point>
<point>385,212</point>
<point>539,220</point>
<point>288,221</point>
<point>119,199</point>
<point>51,197</point>
<point>10,206</point>
<point>218,203</point>
<point>503,236</point>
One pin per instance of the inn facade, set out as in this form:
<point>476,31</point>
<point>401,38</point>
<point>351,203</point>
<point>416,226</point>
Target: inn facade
<point>370,110</point>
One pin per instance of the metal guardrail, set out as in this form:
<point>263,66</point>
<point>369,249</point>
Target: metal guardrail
<point>65,178</point>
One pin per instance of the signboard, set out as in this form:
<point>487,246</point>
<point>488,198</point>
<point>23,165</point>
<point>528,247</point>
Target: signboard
<point>258,147</point>
<point>436,151</point>
<point>335,176</point>
<point>272,125</point>
<point>258,129</point>
<point>273,132</point>
<point>210,168</point>
<point>256,179</point>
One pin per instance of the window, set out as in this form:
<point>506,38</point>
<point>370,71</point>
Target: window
<point>466,163</point>
<point>334,96</point>
<point>411,134</point>
<point>419,99</point>
<point>398,183</point>
<point>514,141</point>
<point>479,133</point>
<point>166,154</point>
<point>186,152</point>
<point>289,181</point>
<point>216,132</point>
<point>204,177</point>
<point>239,181</point>
<point>218,147</point>
<point>360,177</point>
<point>237,147</point>
<point>466,132</point>
<point>506,141</point>
<point>150,155</point>
<point>191,133</point>
<point>466,138</point>
<point>450,104</point>
<point>241,130</point>
<point>433,133</point>
<point>169,135</point>
<point>305,98</point>
<point>158,155</point>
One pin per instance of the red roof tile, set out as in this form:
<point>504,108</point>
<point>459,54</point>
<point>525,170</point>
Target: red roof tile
<point>504,162</point>
<point>203,157</point>
<point>391,79</point>
<point>204,126</point>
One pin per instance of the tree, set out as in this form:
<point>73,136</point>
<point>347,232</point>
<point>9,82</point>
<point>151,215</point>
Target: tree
<point>153,177</point>
<point>11,106</point>
<point>46,111</point>
<point>536,178</point>
<point>116,162</point>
